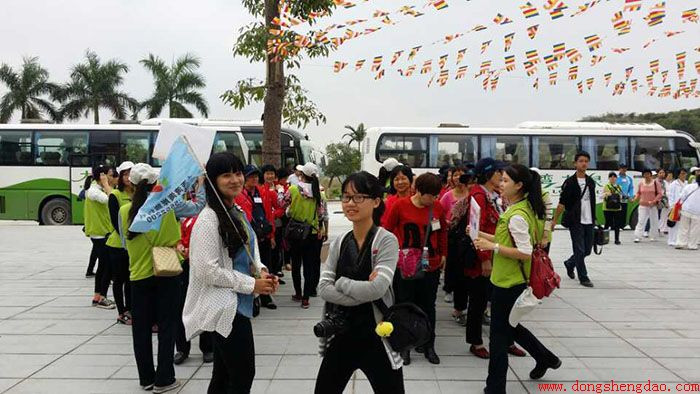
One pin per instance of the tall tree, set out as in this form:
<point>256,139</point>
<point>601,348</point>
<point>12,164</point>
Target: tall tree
<point>356,134</point>
<point>687,120</point>
<point>175,86</point>
<point>27,92</point>
<point>94,85</point>
<point>283,96</point>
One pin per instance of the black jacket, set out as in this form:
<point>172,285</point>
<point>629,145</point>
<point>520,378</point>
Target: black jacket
<point>570,197</point>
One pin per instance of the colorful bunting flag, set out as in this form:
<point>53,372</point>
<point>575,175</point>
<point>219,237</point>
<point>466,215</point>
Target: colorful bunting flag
<point>461,72</point>
<point>529,10</point>
<point>589,83</point>
<point>551,62</point>
<point>593,42</point>
<point>550,4</point>
<point>673,33</point>
<point>652,90</point>
<point>596,59</point>
<point>680,64</point>
<point>573,55</point>
<point>379,75</point>
<point>665,91</point>
<point>607,78</point>
<point>532,56</point>
<point>536,84</point>
<point>440,4</point>
<point>654,66</point>
<point>485,45</point>
<point>557,12</point>
<point>690,16</point>
<point>664,76</point>
<point>510,63</point>
<point>553,78</point>
<point>628,72</point>
<point>377,63</point>
<point>634,84</point>
<point>443,77</point>
<point>409,71</point>
<point>530,68</point>
<point>532,31</point>
<point>427,67</point>
<point>479,28</point>
<point>501,19</point>
<point>413,53</point>
<point>619,89</point>
<point>656,15</point>
<point>620,50</point>
<point>494,82</point>
<point>396,57</point>
<point>508,41</point>
<point>579,85</point>
<point>559,50</point>
<point>339,66</point>
<point>359,64</point>
<point>632,5</point>
<point>460,55</point>
<point>485,67</point>
<point>442,61</point>
<point>646,45</point>
<point>573,73</point>
<point>697,67</point>
<point>650,79</point>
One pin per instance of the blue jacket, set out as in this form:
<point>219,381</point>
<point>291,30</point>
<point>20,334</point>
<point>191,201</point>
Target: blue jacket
<point>627,184</point>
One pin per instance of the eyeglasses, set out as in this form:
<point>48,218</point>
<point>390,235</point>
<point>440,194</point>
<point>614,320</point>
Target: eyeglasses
<point>356,198</point>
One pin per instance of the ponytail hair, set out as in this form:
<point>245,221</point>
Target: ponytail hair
<point>315,187</point>
<point>532,186</point>
<point>137,201</point>
<point>365,183</point>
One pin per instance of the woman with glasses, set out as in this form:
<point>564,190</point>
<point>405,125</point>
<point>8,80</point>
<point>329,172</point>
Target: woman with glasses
<point>359,270</point>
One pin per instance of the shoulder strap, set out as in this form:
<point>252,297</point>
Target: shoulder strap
<point>690,194</point>
<point>429,228</point>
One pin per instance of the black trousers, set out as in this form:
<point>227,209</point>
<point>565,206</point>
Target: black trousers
<point>277,253</point>
<point>613,221</point>
<point>265,248</point>
<point>477,293</point>
<point>155,301</point>
<point>346,354</point>
<point>206,344</point>
<point>120,276</point>
<point>307,254</point>
<point>92,260</point>
<point>104,272</point>
<point>421,292</point>
<point>234,359</point>
<point>502,336</point>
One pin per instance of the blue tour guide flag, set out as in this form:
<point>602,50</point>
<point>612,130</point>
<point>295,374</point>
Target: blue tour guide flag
<point>178,174</point>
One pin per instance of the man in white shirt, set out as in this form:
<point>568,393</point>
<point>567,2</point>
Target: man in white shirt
<point>578,199</point>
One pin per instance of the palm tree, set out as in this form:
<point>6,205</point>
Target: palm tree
<point>175,86</point>
<point>95,85</point>
<point>27,91</point>
<point>356,134</point>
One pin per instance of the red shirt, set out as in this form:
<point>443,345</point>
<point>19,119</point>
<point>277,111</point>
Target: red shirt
<point>269,200</point>
<point>487,224</point>
<point>409,223</point>
<point>186,230</point>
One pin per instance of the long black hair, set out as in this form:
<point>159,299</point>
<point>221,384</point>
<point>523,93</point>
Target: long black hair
<point>532,186</point>
<point>315,187</point>
<point>120,183</point>
<point>97,170</point>
<point>139,198</point>
<point>365,183</point>
<point>405,170</point>
<point>233,234</point>
<point>383,175</point>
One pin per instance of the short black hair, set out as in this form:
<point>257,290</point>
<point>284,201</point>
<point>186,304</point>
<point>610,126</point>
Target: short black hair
<point>612,174</point>
<point>267,168</point>
<point>429,184</point>
<point>282,173</point>
<point>644,171</point>
<point>401,169</point>
<point>582,153</point>
<point>678,172</point>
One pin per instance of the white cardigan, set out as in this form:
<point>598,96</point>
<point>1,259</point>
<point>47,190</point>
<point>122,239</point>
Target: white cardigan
<point>211,301</point>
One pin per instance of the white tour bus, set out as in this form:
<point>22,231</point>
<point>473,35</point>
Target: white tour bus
<point>549,146</point>
<point>43,166</point>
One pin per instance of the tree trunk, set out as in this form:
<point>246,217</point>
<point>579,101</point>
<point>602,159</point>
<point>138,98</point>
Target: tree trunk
<point>330,182</point>
<point>274,99</point>
<point>96,113</point>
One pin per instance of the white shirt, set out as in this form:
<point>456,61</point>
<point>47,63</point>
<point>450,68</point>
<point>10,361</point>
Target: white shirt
<point>674,191</point>
<point>586,214</point>
<point>519,229</point>
<point>691,202</point>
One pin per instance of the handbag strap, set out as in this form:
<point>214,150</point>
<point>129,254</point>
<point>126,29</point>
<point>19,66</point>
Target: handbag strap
<point>690,194</point>
<point>429,229</point>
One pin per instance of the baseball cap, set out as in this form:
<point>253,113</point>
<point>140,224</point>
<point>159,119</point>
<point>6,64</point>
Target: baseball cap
<point>488,164</point>
<point>693,169</point>
<point>142,171</point>
<point>390,163</point>
<point>250,169</point>
<point>127,165</point>
<point>309,169</point>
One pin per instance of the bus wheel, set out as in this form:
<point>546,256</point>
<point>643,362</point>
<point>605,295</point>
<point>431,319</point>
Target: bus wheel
<point>634,219</point>
<point>56,212</point>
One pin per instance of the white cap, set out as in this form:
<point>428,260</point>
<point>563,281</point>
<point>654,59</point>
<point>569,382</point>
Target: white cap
<point>142,171</point>
<point>537,170</point>
<point>309,169</point>
<point>390,163</point>
<point>127,165</point>
<point>693,169</point>
<point>299,167</point>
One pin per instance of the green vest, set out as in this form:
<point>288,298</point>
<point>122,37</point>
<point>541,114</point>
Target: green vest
<point>97,222</point>
<point>114,239</point>
<point>506,271</point>
<point>303,209</point>
<point>139,248</point>
<point>615,189</point>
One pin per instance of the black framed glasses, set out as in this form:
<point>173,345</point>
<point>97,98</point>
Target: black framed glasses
<point>356,198</point>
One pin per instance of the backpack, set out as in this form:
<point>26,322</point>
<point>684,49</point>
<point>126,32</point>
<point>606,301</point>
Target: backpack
<point>411,325</point>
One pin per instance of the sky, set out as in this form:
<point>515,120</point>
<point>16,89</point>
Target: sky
<point>59,32</point>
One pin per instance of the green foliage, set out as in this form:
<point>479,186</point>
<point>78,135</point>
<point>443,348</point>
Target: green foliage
<point>356,134</point>
<point>341,161</point>
<point>94,85</point>
<point>175,86</point>
<point>684,120</point>
<point>27,92</point>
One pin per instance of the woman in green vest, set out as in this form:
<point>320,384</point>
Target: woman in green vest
<point>518,230</point>
<point>153,299</point>
<point>613,210</point>
<point>305,204</point>
<point>117,253</point>
<point>98,227</point>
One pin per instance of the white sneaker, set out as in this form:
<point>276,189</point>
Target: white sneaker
<point>449,298</point>
<point>646,234</point>
<point>636,240</point>
<point>164,389</point>
<point>652,239</point>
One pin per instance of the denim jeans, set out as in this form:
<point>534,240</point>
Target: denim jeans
<point>582,244</point>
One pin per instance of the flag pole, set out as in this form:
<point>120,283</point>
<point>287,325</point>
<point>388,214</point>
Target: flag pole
<point>216,193</point>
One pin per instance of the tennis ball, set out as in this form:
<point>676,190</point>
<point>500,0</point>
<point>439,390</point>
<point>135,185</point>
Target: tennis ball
<point>384,329</point>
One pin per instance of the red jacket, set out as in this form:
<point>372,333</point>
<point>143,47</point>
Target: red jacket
<point>408,223</point>
<point>487,224</point>
<point>269,200</point>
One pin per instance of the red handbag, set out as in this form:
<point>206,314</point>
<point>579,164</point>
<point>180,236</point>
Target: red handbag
<point>543,278</point>
<point>413,262</point>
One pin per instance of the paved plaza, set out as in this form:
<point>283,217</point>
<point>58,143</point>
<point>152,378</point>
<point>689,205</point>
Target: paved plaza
<point>641,322</point>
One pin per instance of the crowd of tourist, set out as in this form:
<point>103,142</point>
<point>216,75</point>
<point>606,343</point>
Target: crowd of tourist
<point>242,227</point>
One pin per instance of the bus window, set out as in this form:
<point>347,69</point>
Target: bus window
<point>227,142</point>
<point>452,150</point>
<point>647,152</point>
<point>254,142</point>
<point>410,150</point>
<point>687,155</point>
<point>16,148</point>
<point>511,149</point>
<point>607,153</point>
<point>549,153</point>
<point>55,148</point>
<point>135,146</point>
<point>104,148</point>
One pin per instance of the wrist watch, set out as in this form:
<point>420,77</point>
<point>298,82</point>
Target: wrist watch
<point>496,248</point>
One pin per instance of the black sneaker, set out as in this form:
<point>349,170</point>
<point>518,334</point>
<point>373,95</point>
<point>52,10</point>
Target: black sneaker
<point>406,356</point>
<point>89,274</point>
<point>282,282</point>
<point>431,355</point>
<point>540,369</point>
<point>570,272</point>
<point>280,274</point>
<point>586,283</point>
<point>180,358</point>
<point>208,357</point>
<point>103,303</point>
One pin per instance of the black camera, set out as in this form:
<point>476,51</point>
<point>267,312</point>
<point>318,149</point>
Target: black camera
<point>334,322</point>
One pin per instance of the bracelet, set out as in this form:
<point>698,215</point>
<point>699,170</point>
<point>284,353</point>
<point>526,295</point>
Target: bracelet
<point>496,248</point>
